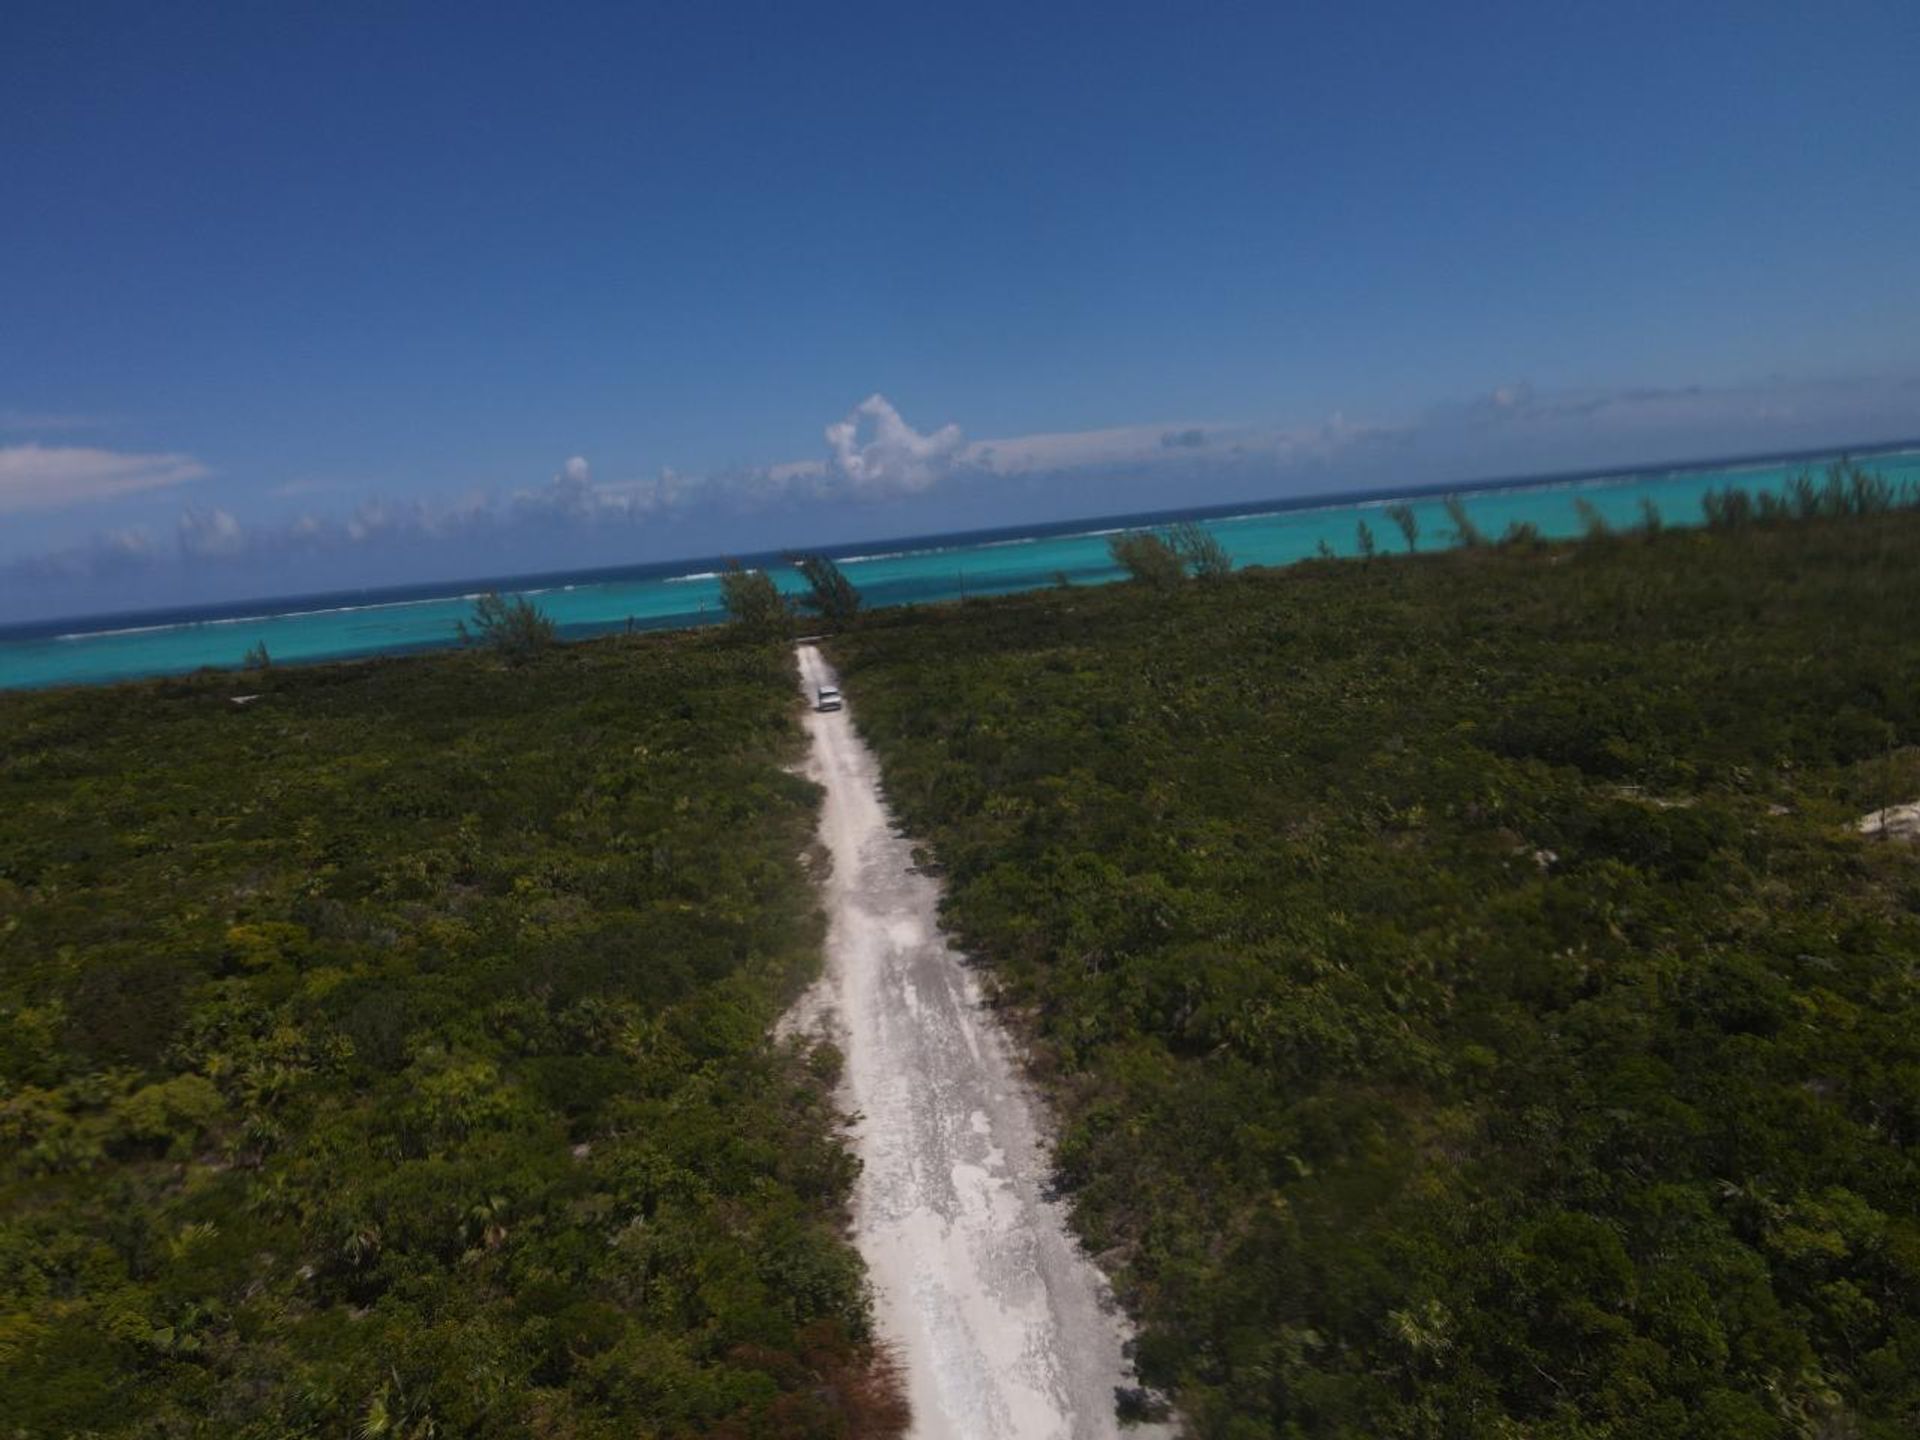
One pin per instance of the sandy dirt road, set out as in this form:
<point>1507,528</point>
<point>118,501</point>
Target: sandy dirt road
<point>1006,1331</point>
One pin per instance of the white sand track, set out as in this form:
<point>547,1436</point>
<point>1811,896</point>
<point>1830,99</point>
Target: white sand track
<point>1896,822</point>
<point>1005,1329</point>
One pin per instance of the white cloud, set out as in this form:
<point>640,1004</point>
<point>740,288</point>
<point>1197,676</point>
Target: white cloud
<point>372,519</point>
<point>132,542</point>
<point>54,477</point>
<point>572,496</point>
<point>665,490</point>
<point>1071,449</point>
<point>571,492</point>
<point>1183,447</point>
<point>1621,409</point>
<point>874,454</point>
<point>207,533</point>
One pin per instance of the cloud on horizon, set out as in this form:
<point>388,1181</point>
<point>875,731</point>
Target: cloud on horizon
<point>875,461</point>
<point>874,454</point>
<point>55,477</point>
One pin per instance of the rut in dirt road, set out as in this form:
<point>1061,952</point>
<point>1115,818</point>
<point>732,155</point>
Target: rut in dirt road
<point>1005,1329</point>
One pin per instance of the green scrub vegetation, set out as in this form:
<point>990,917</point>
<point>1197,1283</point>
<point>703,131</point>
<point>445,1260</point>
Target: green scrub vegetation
<point>1470,1006</point>
<point>387,1056</point>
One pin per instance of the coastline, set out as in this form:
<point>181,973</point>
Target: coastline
<point>684,594</point>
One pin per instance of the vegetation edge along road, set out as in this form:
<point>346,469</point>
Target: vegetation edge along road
<point>1003,1328</point>
<point>1471,1004</point>
<point>389,1056</point>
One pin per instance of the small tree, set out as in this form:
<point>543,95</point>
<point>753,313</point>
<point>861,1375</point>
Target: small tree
<point>1868,491</point>
<point>514,628</point>
<point>1728,509</point>
<point>1147,557</point>
<point>257,658</point>
<point>830,595</point>
<point>1650,522</point>
<point>1363,533</point>
<point>1199,550</point>
<point>1593,525</point>
<point>1465,532</point>
<point>754,603</point>
<point>1803,495</point>
<point>1402,515</point>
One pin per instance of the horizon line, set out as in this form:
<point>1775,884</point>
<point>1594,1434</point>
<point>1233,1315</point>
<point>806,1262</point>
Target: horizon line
<point>95,621</point>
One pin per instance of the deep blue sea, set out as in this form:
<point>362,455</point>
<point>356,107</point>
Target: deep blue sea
<point>926,568</point>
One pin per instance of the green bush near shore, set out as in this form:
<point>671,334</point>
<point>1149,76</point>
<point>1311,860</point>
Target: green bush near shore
<point>1469,1004</point>
<point>386,1056</point>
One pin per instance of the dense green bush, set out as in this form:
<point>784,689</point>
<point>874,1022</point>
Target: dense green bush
<point>513,627</point>
<point>755,607</point>
<point>1148,557</point>
<point>1469,1006</point>
<point>1158,558</point>
<point>387,1057</point>
<point>830,595</point>
<point>1200,550</point>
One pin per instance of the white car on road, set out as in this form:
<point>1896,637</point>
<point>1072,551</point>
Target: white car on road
<point>829,698</point>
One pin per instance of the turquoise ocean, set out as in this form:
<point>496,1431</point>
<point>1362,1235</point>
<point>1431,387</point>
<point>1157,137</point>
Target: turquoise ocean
<point>913,571</point>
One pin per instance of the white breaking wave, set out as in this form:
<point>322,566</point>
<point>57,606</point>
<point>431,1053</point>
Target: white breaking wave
<point>947,549</point>
<point>129,630</point>
<point>263,619</point>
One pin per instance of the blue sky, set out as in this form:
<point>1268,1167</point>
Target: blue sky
<point>293,296</point>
